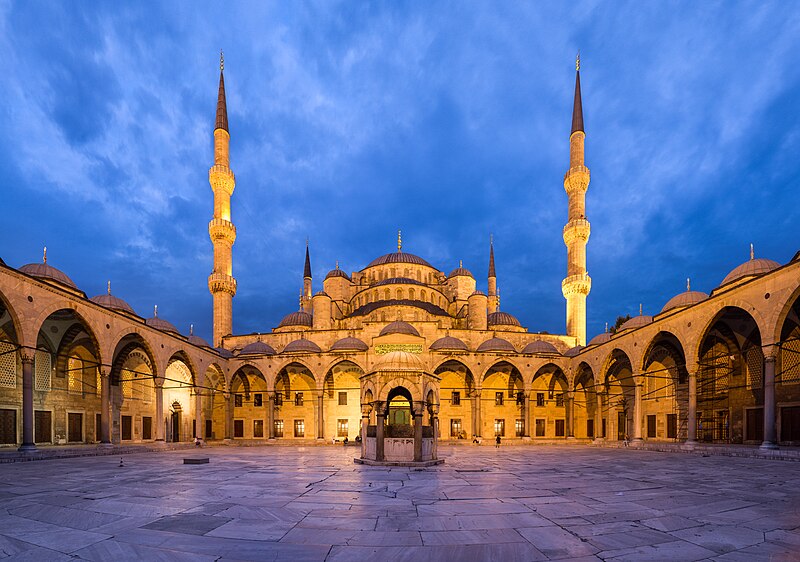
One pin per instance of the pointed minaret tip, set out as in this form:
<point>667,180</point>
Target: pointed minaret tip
<point>307,267</point>
<point>577,106</point>
<point>577,60</point>
<point>492,272</point>
<point>222,105</point>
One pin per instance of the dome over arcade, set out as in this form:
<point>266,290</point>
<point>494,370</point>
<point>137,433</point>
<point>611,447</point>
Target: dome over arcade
<point>349,344</point>
<point>636,322</point>
<point>226,353</point>
<point>448,343</point>
<point>299,318</point>
<point>399,327</point>
<point>750,268</point>
<point>112,302</point>
<point>540,346</point>
<point>302,346</point>
<point>573,351</point>
<point>399,257</point>
<point>49,273</point>
<point>257,348</point>
<point>401,361</point>
<point>684,299</point>
<point>498,345</point>
<point>161,324</point>
<point>502,319</point>
<point>198,341</point>
<point>600,338</point>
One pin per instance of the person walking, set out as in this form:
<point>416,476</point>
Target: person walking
<point>497,442</point>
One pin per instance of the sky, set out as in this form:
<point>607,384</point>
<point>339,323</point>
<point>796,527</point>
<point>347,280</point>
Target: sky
<point>351,120</point>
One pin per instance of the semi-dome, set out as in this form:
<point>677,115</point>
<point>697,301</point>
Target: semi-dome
<point>636,322</point>
<point>402,361</point>
<point>448,343</point>
<point>349,344</point>
<point>399,327</point>
<point>540,346</point>
<point>161,324</point>
<point>198,341</point>
<point>497,344</point>
<point>302,346</point>
<point>399,257</point>
<point>600,338</point>
<point>750,268</point>
<point>257,348</point>
<point>337,273</point>
<point>461,272</point>
<point>502,319</point>
<point>112,302</point>
<point>299,318</point>
<point>47,271</point>
<point>573,351</point>
<point>226,353</point>
<point>686,298</point>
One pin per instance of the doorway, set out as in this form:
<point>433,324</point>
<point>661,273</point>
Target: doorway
<point>622,422</point>
<point>176,422</point>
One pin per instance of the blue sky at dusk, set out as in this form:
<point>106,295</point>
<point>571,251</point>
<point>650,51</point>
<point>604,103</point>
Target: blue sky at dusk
<point>351,120</point>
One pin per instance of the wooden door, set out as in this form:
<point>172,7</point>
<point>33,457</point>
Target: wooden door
<point>8,426</point>
<point>42,426</point>
<point>74,428</point>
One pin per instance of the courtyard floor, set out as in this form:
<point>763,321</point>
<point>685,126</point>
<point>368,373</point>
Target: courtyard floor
<point>313,503</point>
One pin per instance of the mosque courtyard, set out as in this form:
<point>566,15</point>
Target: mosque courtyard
<point>314,503</point>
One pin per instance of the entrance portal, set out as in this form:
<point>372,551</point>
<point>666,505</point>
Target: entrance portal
<point>176,422</point>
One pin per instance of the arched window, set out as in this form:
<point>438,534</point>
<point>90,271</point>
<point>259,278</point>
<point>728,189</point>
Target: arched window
<point>422,295</point>
<point>411,294</point>
<point>399,294</point>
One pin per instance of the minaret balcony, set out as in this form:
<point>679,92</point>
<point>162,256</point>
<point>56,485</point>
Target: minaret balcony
<point>221,283</point>
<point>576,180</point>
<point>221,178</point>
<point>579,284</point>
<point>576,229</point>
<point>221,230</point>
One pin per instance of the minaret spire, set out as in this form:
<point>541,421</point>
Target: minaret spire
<point>305,299</point>
<point>493,296</point>
<point>221,282</point>
<point>577,284</point>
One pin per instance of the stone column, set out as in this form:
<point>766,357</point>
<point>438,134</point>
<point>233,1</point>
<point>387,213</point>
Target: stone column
<point>570,415</point>
<point>637,409</point>
<point>526,418</point>
<point>28,445</point>
<point>198,414</point>
<point>691,435</point>
<point>229,417</point>
<point>320,416</point>
<point>105,408</point>
<point>379,415</point>
<point>417,411</point>
<point>770,431</point>
<point>598,416</point>
<point>477,401</point>
<point>159,412</point>
<point>434,412</point>
<point>365,410</point>
<point>271,415</point>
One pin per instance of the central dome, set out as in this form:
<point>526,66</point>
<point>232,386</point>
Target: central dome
<point>399,257</point>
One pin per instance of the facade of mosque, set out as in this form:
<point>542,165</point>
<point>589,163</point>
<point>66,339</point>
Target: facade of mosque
<point>401,355</point>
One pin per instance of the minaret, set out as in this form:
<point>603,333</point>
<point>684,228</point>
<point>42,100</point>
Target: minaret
<point>493,296</point>
<point>305,300</point>
<point>577,284</point>
<point>221,230</point>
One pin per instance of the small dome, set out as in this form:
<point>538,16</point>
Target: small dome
<point>496,344</point>
<point>161,324</point>
<point>573,351</point>
<point>600,338</point>
<point>198,341</point>
<point>448,343</point>
<point>112,302</point>
<point>687,298</point>
<point>302,346</point>
<point>399,361</point>
<point>226,353</point>
<point>502,319</point>
<point>297,319</point>
<point>753,267</point>
<point>399,327</point>
<point>321,294</point>
<point>337,273</point>
<point>257,348</point>
<point>461,272</point>
<point>399,257</point>
<point>478,293</point>
<point>540,346</point>
<point>636,322</point>
<point>47,271</point>
<point>349,344</point>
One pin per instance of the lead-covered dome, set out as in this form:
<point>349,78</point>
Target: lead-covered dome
<point>48,272</point>
<point>257,348</point>
<point>686,298</point>
<point>461,272</point>
<point>198,341</point>
<point>112,302</point>
<point>337,273</point>
<point>600,338</point>
<point>302,346</point>
<point>399,257</point>
<point>502,319</point>
<point>161,324</point>
<point>497,344</point>
<point>636,322</point>
<point>299,318</point>
<point>399,361</point>
<point>399,327</point>
<point>448,343</point>
<point>540,346</point>
<point>750,268</point>
<point>573,351</point>
<point>349,344</point>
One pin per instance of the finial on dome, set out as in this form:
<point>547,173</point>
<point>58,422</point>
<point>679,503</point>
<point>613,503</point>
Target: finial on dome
<point>460,263</point>
<point>752,253</point>
<point>337,264</point>
<point>109,286</point>
<point>221,61</point>
<point>399,241</point>
<point>606,327</point>
<point>44,257</point>
<point>155,311</point>
<point>191,329</point>
<point>578,61</point>
<point>640,309</point>
<point>688,284</point>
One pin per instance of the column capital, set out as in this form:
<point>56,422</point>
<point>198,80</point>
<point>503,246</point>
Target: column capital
<point>366,409</point>
<point>770,351</point>
<point>26,356</point>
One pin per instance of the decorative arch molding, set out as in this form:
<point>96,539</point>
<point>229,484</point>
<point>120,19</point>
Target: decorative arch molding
<point>778,319</point>
<point>18,336</point>
<point>400,381</point>
<point>346,359</point>
<point>133,334</point>
<point>513,361</point>
<point>81,324</point>
<point>124,350</point>
<point>183,357</point>
<point>712,316</point>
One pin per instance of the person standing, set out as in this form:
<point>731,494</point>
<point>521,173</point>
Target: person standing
<point>497,442</point>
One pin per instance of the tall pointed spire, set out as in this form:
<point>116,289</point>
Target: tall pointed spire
<point>222,106</point>
<point>577,106</point>
<point>307,268</point>
<point>492,272</point>
<point>493,302</point>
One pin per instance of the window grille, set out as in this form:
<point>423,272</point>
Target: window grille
<point>342,399</point>
<point>42,370</point>
<point>755,363</point>
<point>8,365</point>
<point>75,375</point>
<point>456,400</point>
<point>790,361</point>
<point>127,383</point>
<point>341,428</point>
<point>98,388</point>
